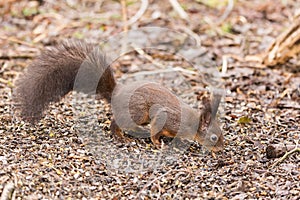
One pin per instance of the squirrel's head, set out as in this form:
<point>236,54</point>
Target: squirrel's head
<point>209,133</point>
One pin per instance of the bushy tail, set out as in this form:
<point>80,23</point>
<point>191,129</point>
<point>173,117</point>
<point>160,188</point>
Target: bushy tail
<point>72,65</point>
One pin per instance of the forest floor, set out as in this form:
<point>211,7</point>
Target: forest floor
<point>69,157</point>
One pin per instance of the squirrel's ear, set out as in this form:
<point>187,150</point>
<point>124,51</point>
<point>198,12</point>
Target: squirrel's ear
<point>206,114</point>
<point>216,99</point>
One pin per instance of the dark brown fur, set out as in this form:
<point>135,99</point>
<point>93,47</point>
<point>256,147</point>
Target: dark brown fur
<point>78,66</point>
<point>51,76</point>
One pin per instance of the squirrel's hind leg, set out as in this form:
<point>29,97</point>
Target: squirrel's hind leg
<point>156,131</point>
<point>158,120</point>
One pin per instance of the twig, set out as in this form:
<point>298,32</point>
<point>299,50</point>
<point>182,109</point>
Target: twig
<point>21,56</point>
<point>288,106</point>
<point>224,65</point>
<point>285,156</point>
<point>191,33</point>
<point>148,73</point>
<point>139,13</point>
<point>7,192</point>
<point>248,58</point>
<point>178,9</point>
<point>4,81</point>
<point>147,56</point>
<point>227,11</point>
<point>254,59</point>
<point>15,40</point>
<point>124,15</point>
<point>4,67</point>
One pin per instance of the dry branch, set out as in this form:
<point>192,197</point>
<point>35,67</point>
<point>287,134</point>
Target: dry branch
<point>287,154</point>
<point>178,9</point>
<point>285,46</point>
<point>124,15</point>
<point>16,40</point>
<point>140,12</point>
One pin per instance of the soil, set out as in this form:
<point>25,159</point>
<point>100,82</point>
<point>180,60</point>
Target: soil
<point>71,154</point>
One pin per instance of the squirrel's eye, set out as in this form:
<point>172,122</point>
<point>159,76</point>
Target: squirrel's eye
<point>213,138</point>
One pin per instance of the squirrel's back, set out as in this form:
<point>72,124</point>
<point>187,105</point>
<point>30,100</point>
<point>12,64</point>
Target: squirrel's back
<point>71,65</point>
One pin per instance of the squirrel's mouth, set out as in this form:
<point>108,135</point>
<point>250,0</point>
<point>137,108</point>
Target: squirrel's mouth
<point>215,149</point>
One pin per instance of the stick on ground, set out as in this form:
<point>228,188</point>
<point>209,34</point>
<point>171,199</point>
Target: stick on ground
<point>287,153</point>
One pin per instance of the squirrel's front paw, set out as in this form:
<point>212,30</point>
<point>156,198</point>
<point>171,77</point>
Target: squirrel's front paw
<point>160,145</point>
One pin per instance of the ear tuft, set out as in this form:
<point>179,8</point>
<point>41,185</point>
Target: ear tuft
<point>206,114</point>
<point>216,99</point>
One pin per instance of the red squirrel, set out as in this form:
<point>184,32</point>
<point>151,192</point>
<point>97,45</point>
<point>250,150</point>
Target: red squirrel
<point>53,74</point>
